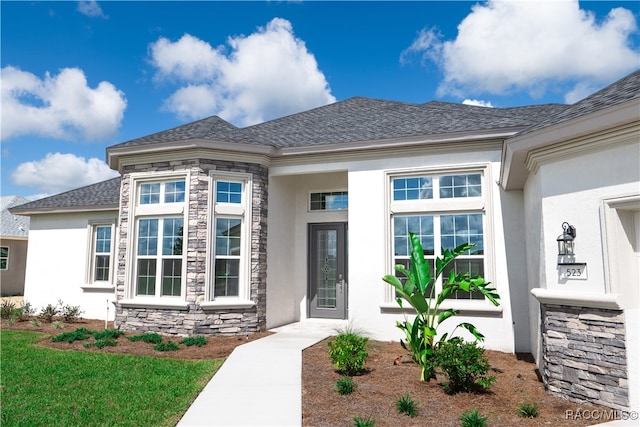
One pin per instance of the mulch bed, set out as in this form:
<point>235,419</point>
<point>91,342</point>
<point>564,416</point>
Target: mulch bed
<point>383,382</point>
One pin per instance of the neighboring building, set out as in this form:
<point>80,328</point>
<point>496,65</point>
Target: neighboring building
<point>214,229</point>
<point>14,232</point>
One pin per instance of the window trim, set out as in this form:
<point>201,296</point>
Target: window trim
<point>148,211</point>
<point>482,204</point>
<point>92,227</point>
<point>243,211</point>
<point>7,258</point>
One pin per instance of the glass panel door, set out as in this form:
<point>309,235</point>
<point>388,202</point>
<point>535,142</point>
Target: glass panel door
<point>327,270</point>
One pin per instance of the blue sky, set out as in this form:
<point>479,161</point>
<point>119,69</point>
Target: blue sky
<point>78,77</point>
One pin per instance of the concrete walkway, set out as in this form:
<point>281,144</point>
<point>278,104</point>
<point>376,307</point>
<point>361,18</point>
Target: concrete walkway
<point>260,383</point>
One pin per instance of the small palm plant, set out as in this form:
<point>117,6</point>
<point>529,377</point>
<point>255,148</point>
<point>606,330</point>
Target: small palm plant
<point>473,419</point>
<point>419,291</point>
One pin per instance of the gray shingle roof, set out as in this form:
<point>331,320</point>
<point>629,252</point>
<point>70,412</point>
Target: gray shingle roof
<point>364,119</point>
<point>13,225</point>
<point>105,194</point>
<point>623,90</point>
<point>356,119</point>
<point>213,128</point>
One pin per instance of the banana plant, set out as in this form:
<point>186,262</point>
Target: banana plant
<point>419,291</point>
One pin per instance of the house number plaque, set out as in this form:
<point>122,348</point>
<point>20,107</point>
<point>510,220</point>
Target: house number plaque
<point>577,271</point>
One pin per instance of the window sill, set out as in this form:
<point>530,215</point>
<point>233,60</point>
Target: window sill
<point>98,287</point>
<point>141,303</point>
<point>465,308</point>
<point>222,304</point>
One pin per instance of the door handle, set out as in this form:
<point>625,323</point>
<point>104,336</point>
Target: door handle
<point>341,282</point>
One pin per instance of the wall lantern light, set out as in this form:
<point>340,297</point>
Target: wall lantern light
<point>565,240</point>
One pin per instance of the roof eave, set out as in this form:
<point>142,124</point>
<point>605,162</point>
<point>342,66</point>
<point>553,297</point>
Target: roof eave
<point>115,154</point>
<point>63,209</point>
<point>514,172</point>
<point>412,141</point>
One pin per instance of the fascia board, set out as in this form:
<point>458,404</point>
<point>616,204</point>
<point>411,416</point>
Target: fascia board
<point>407,142</point>
<point>514,172</point>
<point>69,209</point>
<point>114,155</point>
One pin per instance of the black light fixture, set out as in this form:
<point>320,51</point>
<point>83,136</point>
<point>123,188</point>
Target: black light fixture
<point>565,240</point>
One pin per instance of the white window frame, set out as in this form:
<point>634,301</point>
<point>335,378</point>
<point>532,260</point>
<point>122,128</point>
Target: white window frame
<point>92,230</point>
<point>438,207</point>
<point>7,258</point>
<point>242,211</point>
<point>159,210</point>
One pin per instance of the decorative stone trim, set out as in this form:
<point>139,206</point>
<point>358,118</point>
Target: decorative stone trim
<point>190,318</point>
<point>584,355</point>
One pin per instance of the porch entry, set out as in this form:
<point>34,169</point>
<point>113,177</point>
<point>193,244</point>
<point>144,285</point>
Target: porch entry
<point>328,270</point>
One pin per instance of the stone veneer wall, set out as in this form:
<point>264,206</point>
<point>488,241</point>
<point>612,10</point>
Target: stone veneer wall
<point>195,321</point>
<point>584,355</point>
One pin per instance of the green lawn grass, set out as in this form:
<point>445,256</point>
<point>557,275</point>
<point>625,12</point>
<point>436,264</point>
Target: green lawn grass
<point>47,387</point>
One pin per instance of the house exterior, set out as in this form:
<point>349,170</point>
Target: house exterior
<point>14,234</point>
<point>214,229</point>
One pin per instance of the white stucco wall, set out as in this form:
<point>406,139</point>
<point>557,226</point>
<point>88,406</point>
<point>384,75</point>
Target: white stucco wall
<point>57,263</point>
<point>574,189</point>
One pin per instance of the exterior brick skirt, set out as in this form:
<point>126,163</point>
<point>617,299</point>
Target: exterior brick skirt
<point>584,355</point>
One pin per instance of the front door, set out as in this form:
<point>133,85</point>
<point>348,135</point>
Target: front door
<point>328,270</point>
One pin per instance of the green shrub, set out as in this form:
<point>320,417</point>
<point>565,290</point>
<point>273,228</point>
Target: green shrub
<point>348,353</point>
<point>344,386</point>
<point>57,325</point>
<point>198,341</point>
<point>472,419</point>
<point>77,335</point>
<point>166,346</point>
<point>148,337</point>
<point>407,406</point>
<point>104,342</point>
<point>364,422</point>
<point>70,313</point>
<point>49,312</point>
<point>528,410</point>
<point>107,333</point>
<point>7,309</point>
<point>465,366</point>
<point>26,311</point>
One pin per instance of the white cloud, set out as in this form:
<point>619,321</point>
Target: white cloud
<point>91,8</point>
<point>477,103</point>
<point>59,172</point>
<point>265,75</point>
<point>189,59</point>
<point>508,45</point>
<point>62,106</point>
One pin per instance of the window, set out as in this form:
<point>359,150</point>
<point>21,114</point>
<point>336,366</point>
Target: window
<point>414,188</point>
<point>452,186</point>
<point>227,254</point>
<point>228,192</point>
<point>157,238</point>
<point>152,193</point>
<point>443,211</point>
<point>101,236</point>
<point>159,255</point>
<point>329,201</point>
<point>231,237</point>
<point>4,257</point>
